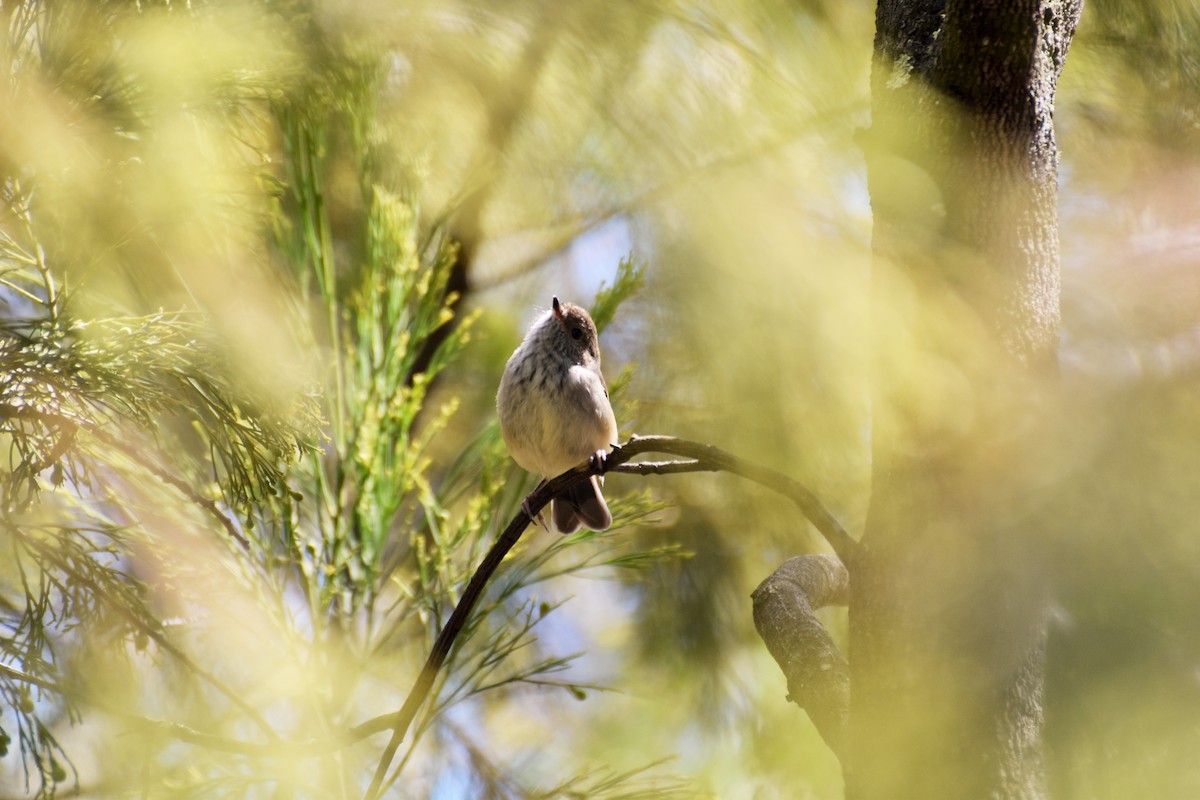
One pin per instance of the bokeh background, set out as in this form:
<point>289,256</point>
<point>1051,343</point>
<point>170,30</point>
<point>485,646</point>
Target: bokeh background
<point>261,264</point>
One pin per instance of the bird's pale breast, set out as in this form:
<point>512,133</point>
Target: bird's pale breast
<point>553,416</point>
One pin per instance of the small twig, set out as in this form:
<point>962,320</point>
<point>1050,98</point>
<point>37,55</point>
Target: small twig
<point>69,424</point>
<point>172,480</point>
<point>700,458</point>
<point>321,746</point>
<point>225,744</point>
<point>14,674</point>
<point>277,747</point>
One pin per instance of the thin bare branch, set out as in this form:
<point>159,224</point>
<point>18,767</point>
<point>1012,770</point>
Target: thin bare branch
<point>700,458</point>
<point>706,458</point>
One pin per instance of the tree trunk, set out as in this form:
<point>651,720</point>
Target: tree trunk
<point>949,595</point>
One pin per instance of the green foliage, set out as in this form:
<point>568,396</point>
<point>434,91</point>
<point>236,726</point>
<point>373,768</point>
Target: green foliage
<point>212,545</point>
<point>631,276</point>
<point>246,250</point>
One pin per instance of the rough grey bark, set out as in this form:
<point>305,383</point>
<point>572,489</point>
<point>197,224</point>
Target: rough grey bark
<point>949,595</point>
<point>785,607</point>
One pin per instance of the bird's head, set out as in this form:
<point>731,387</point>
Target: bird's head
<point>573,332</point>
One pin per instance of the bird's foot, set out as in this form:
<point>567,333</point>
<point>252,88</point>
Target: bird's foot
<point>599,461</point>
<point>529,511</point>
<point>532,516</point>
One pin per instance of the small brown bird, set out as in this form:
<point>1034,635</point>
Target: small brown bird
<point>554,410</point>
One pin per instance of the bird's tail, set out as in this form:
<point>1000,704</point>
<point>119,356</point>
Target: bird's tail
<point>582,503</point>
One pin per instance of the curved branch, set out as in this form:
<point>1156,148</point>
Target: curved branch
<point>700,458</point>
<point>706,458</point>
<point>818,676</point>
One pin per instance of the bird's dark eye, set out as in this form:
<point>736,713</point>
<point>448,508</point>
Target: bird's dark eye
<point>576,333</point>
